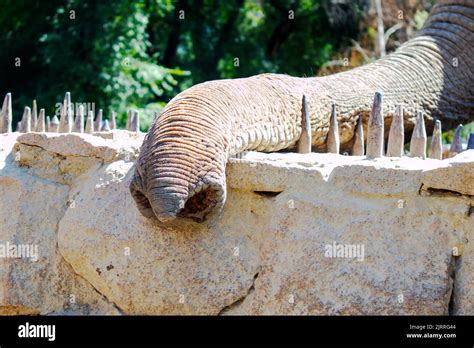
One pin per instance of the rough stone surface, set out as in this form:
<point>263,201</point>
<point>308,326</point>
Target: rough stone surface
<point>463,303</point>
<point>145,269</point>
<point>355,201</point>
<point>63,157</point>
<point>265,254</point>
<point>30,210</point>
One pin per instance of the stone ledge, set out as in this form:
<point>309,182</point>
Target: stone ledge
<point>264,254</point>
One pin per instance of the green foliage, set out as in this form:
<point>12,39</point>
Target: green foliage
<point>232,39</point>
<point>448,136</point>
<point>97,51</point>
<point>107,46</point>
<point>420,18</point>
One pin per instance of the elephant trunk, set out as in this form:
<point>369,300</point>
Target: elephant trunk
<point>181,168</point>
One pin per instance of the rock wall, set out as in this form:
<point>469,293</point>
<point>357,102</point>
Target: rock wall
<point>409,221</point>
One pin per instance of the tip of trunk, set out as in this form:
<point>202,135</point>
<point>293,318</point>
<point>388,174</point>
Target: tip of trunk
<point>198,205</point>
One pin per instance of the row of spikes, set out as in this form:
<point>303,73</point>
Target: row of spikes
<point>375,136</point>
<point>32,121</point>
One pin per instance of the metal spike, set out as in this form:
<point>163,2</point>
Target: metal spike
<point>456,145</point>
<point>470,143</point>
<point>6,115</point>
<point>396,137</point>
<point>106,126</point>
<point>26,120</point>
<point>418,138</point>
<point>375,132</point>
<point>34,115</point>
<point>65,122</point>
<point>54,126</point>
<point>129,119</point>
<point>304,143</point>
<point>332,141</point>
<point>2,118</point>
<point>40,123</point>
<point>135,124</point>
<point>48,124</point>
<point>358,146</point>
<point>70,119</point>
<point>98,121</point>
<point>62,115</point>
<point>436,147</point>
<point>67,97</point>
<point>90,123</point>
<point>69,111</point>
<point>113,121</point>
<point>79,121</point>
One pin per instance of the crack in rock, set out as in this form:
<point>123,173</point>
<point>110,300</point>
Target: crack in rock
<point>241,299</point>
<point>454,265</point>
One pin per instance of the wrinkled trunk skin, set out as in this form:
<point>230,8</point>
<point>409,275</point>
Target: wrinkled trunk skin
<point>181,168</point>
